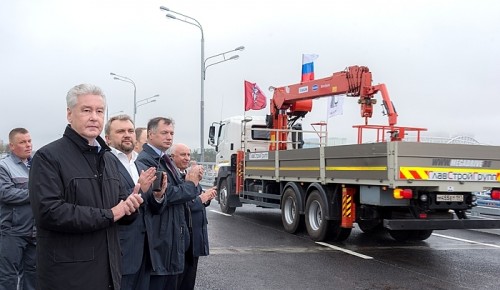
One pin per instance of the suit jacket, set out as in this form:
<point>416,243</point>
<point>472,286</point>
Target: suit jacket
<point>170,229</point>
<point>198,224</point>
<point>133,236</point>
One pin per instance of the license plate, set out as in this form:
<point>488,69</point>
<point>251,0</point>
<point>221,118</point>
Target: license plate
<point>450,197</point>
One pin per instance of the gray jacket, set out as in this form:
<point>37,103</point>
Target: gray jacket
<point>16,216</point>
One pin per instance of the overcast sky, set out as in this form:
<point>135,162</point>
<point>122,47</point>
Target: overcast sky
<point>439,59</point>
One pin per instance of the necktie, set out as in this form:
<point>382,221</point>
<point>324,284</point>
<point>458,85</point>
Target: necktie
<point>170,165</point>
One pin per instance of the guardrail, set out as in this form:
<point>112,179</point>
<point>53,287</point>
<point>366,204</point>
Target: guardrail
<point>209,175</point>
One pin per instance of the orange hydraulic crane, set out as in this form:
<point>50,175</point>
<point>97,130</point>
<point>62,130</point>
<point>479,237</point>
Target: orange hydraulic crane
<point>295,101</point>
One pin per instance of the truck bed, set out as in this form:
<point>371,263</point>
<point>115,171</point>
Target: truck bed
<point>442,167</point>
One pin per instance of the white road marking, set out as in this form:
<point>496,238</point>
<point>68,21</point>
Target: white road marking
<point>221,213</point>
<point>467,241</point>
<point>345,250</point>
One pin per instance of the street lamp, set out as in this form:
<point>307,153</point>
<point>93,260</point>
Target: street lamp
<point>194,22</point>
<point>112,114</point>
<point>127,80</point>
<point>146,101</point>
<point>223,54</point>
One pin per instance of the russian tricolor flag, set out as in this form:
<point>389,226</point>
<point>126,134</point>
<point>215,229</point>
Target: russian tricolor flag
<point>308,66</point>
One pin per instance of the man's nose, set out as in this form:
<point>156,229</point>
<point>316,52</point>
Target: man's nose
<point>94,115</point>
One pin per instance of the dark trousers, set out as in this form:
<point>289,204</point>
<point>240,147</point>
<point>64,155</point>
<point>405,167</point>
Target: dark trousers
<point>187,279</point>
<point>17,261</point>
<point>163,282</point>
<point>139,280</point>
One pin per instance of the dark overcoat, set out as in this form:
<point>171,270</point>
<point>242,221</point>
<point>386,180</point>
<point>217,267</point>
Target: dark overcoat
<point>171,234</point>
<point>73,187</point>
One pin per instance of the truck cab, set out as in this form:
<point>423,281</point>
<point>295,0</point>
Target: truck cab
<point>232,133</point>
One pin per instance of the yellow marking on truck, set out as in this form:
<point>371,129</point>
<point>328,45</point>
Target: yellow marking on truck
<point>447,173</point>
<point>310,168</point>
<point>354,168</point>
<point>346,205</point>
<point>451,169</point>
<point>316,168</point>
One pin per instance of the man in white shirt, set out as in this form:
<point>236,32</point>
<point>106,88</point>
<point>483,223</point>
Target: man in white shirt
<point>135,239</point>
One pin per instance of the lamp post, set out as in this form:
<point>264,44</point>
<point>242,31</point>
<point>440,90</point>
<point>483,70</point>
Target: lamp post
<point>128,80</point>
<point>223,54</point>
<point>194,22</point>
<point>107,113</point>
<point>146,101</point>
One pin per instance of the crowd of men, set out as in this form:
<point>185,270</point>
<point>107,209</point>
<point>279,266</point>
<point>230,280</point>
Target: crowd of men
<point>124,212</point>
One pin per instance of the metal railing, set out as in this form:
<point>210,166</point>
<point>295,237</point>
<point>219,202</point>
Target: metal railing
<point>209,174</point>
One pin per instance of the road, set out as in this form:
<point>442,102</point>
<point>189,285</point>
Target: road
<point>250,250</point>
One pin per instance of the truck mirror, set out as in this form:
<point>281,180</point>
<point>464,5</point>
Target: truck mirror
<point>211,135</point>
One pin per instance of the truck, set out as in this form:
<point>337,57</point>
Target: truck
<point>408,188</point>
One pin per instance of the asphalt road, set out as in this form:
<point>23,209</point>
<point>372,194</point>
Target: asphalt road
<point>250,250</point>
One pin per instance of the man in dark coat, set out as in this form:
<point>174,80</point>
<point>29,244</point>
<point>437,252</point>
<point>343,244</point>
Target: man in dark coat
<point>77,199</point>
<point>136,239</point>
<point>181,156</point>
<point>172,236</point>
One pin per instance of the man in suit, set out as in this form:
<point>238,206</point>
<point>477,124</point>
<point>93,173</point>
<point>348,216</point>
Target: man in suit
<point>135,239</point>
<point>141,136</point>
<point>173,236</point>
<point>181,156</point>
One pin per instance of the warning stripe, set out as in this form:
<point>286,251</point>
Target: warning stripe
<point>413,173</point>
<point>346,205</point>
<point>422,173</point>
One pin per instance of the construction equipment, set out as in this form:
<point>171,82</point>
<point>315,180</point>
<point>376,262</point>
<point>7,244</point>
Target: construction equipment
<point>407,188</point>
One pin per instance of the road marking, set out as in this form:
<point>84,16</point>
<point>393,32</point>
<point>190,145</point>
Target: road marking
<point>221,213</point>
<point>467,241</point>
<point>265,250</point>
<point>345,250</point>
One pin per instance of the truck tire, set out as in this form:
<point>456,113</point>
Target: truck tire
<point>337,233</point>
<point>401,236</point>
<point>290,216</point>
<point>421,235</point>
<point>410,235</point>
<point>370,226</point>
<point>223,196</point>
<point>316,223</point>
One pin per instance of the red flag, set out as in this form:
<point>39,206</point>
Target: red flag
<point>254,98</point>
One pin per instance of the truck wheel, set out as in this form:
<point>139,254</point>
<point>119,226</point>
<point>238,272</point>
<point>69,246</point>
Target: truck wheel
<point>421,235</point>
<point>410,235</point>
<point>223,197</point>
<point>316,223</point>
<point>290,216</point>
<point>337,233</point>
<point>401,236</point>
<point>370,226</point>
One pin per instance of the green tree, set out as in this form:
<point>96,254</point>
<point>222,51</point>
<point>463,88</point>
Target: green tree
<point>209,154</point>
<point>4,147</point>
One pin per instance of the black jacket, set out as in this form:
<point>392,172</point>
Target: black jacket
<point>171,233</point>
<point>72,190</point>
<point>199,222</point>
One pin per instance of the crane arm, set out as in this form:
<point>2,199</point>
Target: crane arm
<point>296,99</point>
